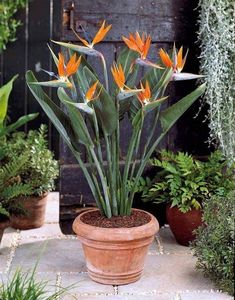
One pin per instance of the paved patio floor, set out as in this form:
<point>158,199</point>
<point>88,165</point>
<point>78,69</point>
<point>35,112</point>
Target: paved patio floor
<point>169,272</point>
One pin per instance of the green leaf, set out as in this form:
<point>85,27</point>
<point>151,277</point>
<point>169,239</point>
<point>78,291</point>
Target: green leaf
<point>55,114</point>
<point>169,116</point>
<point>5,91</point>
<point>20,122</point>
<point>104,107</point>
<point>127,59</point>
<point>76,118</point>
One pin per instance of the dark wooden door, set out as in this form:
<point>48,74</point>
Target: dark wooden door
<point>167,21</point>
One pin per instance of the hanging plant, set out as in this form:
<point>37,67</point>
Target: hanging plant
<point>8,22</point>
<point>216,38</point>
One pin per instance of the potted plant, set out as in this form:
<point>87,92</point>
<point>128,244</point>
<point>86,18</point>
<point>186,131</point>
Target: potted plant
<point>115,237</point>
<point>10,187</point>
<point>38,170</point>
<point>184,183</point>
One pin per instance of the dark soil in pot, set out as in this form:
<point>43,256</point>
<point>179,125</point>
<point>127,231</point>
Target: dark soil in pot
<point>137,218</point>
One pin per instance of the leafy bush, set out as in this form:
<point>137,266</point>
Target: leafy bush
<point>214,245</point>
<point>8,22</point>
<point>40,169</point>
<point>185,182</point>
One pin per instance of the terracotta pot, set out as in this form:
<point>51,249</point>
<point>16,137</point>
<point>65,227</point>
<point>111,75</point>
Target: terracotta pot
<point>183,224</point>
<point>35,208</point>
<point>115,255</point>
<point>3,225</point>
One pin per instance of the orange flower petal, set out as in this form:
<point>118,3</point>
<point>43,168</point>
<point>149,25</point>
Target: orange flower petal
<point>91,91</point>
<point>118,75</point>
<point>61,66</point>
<point>83,41</point>
<point>73,65</point>
<point>179,58</point>
<point>146,47</point>
<point>165,59</point>
<point>101,33</point>
<point>130,44</point>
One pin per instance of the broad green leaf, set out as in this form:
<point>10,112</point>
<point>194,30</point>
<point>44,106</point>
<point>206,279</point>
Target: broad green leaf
<point>154,104</point>
<point>169,116</point>
<point>127,59</point>
<point>52,83</point>
<point>104,106</point>
<point>20,122</point>
<point>77,121</point>
<point>5,91</point>
<point>55,113</point>
<point>138,119</point>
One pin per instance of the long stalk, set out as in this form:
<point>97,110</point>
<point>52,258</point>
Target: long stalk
<point>103,182</point>
<point>142,166</point>
<point>111,176</point>
<point>105,72</point>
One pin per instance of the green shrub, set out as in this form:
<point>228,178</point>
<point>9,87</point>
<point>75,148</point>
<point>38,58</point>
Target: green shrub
<point>8,22</point>
<point>185,182</point>
<point>214,245</point>
<point>40,169</point>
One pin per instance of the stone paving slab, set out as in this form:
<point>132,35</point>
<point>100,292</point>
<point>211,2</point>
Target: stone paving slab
<point>55,255</point>
<point>168,273</point>
<point>83,285</point>
<point>52,209</point>
<point>205,296</point>
<point>169,244</point>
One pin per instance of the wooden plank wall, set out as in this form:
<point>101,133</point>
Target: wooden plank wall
<point>40,23</point>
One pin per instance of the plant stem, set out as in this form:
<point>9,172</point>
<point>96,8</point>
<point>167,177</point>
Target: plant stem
<point>105,72</point>
<point>108,211</point>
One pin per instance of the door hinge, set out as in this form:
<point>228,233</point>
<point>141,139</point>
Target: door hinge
<point>69,19</point>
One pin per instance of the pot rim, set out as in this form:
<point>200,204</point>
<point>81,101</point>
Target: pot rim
<point>92,232</point>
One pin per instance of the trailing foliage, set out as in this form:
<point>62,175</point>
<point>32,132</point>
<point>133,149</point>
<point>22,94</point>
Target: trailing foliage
<point>8,22</point>
<point>186,182</point>
<point>214,244</point>
<point>216,38</point>
<point>40,169</point>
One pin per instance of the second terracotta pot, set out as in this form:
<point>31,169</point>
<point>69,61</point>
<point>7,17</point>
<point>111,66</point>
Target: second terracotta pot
<point>183,224</point>
<point>34,217</point>
<point>115,255</point>
<point>3,225</point>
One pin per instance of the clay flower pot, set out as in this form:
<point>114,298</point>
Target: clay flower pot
<point>3,225</point>
<point>115,255</point>
<point>35,208</point>
<point>183,224</point>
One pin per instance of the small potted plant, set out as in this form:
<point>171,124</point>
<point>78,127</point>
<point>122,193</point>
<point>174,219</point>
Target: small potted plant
<point>10,188</point>
<point>115,237</point>
<point>184,183</point>
<point>38,170</point>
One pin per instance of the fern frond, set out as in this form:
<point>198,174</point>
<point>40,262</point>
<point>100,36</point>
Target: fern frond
<point>16,190</point>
